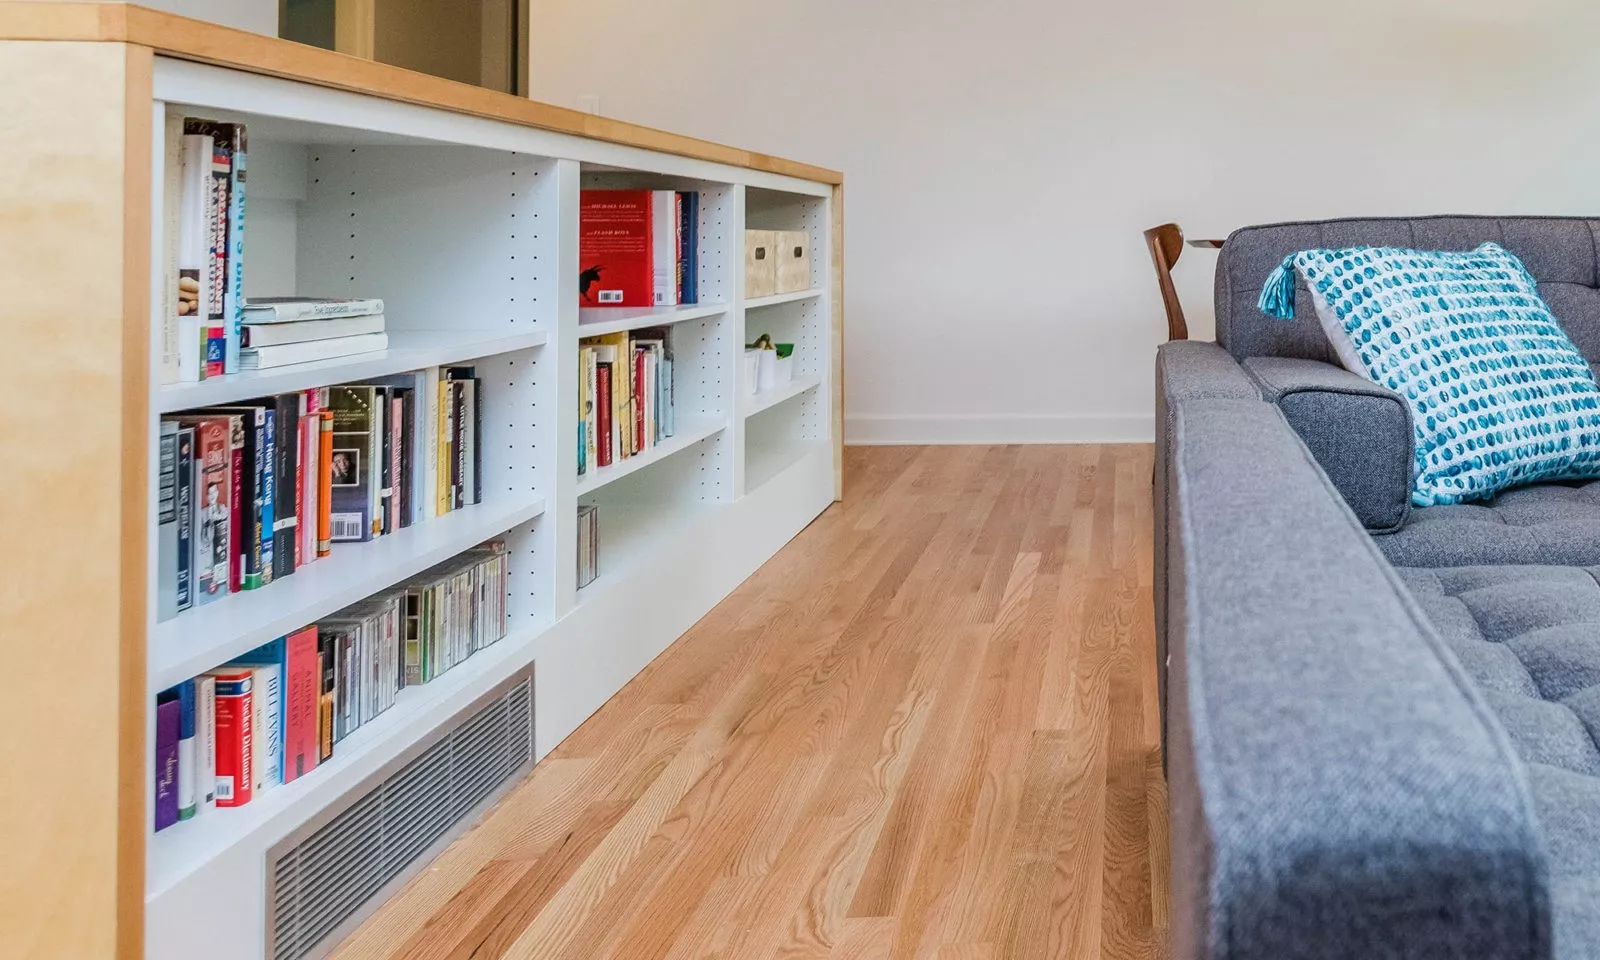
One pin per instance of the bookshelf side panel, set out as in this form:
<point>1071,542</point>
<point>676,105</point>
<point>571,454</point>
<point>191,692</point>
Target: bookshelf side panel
<point>75,237</point>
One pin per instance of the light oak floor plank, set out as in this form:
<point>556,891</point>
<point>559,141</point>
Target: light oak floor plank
<point>926,730</point>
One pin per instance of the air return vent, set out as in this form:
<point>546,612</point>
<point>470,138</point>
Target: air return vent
<point>320,878</point>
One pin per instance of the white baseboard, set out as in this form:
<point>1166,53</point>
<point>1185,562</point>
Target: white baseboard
<point>1015,428</point>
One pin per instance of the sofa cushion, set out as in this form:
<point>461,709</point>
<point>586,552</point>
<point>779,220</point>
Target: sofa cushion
<point>1553,523</point>
<point>1530,638</point>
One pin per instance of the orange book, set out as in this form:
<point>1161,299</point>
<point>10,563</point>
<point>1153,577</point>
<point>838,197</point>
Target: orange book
<point>325,485</point>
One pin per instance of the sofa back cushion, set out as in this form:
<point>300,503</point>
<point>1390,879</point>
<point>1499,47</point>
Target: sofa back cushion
<point>1562,254</point>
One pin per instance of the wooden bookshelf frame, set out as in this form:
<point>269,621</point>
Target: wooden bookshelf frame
<point>75,233</point>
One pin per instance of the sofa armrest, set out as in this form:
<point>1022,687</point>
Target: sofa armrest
<point>1185,370</point>
<point>1338,787</point>
<point>1360,432</point>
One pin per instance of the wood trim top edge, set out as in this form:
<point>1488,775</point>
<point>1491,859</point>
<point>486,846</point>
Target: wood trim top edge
<point>170,35</point>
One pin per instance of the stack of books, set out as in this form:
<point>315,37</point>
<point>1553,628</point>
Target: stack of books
<point>279,331</point>
<point>278,712</point>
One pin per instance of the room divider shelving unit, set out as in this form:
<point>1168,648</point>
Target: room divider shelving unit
<point>458,207</point>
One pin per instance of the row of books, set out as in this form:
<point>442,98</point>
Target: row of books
<point>638,248</point>
<point>625,395</point>
<point>277,713</point>
<point>251,492</point>
<point>203,224</point>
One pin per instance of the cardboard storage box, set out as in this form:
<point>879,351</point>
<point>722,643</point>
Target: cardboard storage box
<point>760,263</point>
<point>794,261</point>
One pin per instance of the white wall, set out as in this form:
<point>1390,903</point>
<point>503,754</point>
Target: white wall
<point>260,16</point>
<point>1001,158</point>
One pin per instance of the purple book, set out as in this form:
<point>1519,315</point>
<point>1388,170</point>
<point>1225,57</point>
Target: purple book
<point>169,717</point>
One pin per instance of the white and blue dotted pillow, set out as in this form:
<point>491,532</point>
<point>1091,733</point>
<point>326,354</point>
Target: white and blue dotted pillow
<point>1499,395</point>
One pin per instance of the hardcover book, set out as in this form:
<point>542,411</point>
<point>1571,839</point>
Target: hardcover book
<point>218,207</point>
<point>301,693</point>
<point>195,262</point>
<point>350,462</point>
<point>664,247</point>
<point>286,477</point>
<point>688,247</point>
<point>205,743</point>
<point>214,509</point>
<point>187,476</point>
<point>187,760</point>
<point>235,736</point>
<point>614,249</point>
<point>324,478</point>
<point>290,309</point>
<point>168,720</point>
<point>167,522</point>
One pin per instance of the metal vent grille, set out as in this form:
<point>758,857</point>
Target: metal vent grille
<point>322,877</point>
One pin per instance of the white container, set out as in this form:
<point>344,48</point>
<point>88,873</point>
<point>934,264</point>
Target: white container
<point>783,370</point>
<point>766,369</point>
<point>752,370</point>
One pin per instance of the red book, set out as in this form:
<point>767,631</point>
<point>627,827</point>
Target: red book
<point>602,413</point>
<point>302,689</point>
<point>235,736</point>
<point>221,454</point>
<point>638,400</point>
<point>614,250</point>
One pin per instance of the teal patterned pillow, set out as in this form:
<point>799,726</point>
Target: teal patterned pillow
<point>1499,395</point>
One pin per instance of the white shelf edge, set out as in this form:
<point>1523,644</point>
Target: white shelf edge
<point>408,350</point>
<point>185,847</point>
<point>755,403</point>
<point>778,298</point>
<point>201,638</point>
<point>689,433</point>
<point>634,318</point>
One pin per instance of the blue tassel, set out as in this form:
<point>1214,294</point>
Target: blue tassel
<point>1277,297</point>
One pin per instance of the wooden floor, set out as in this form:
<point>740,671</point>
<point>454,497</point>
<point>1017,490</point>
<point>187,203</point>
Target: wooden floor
<point>926,729</point>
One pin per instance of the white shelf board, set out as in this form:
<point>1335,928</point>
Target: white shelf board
<point>204,637</point>
<point>757,402</point>
<point>599,321</point>
<point>179,850</point>
<point>690,432</point>
<point>778,298</point>
<point>630,532</point>
<point>408,350</point>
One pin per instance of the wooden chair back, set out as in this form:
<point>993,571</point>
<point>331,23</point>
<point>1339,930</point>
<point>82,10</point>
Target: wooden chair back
<point>1166,244</point>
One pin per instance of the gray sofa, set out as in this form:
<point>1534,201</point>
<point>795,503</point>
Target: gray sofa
<point>1380,721</point>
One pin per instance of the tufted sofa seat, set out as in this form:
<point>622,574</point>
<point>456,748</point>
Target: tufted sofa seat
<point>1553,523</point>
<point>1529,637</point>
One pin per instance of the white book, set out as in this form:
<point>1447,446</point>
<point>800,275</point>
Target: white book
<point>301,331</point>
<point>205,743</point>
<point>290,309</point>
<point>194,257</point>
<point>664,247</point>
<point>263,358</point>
<point>171,230</point>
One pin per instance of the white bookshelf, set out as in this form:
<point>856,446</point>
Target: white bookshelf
<point>466,227</point>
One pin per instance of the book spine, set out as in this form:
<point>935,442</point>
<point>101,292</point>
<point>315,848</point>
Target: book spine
<point>285,523</point>
<point>167,523</point>
<point>214,446</point>
<point>186,505</point>
<point>677,244</point>
<point>690,239</point>
<point>172,229</point>
<point>446,427</point>
<point>266,490</point>
<point>310,310</point>
<point>382,465</point>
<point>396,423</point>
<point>458,447</point>
<point>663,247</point>
<point>205,743</point>
<point>218,205</point>
<point>240,512</point>
<point>408,467</point>
<point>324,483</point>
<point>638,401</point>
<point>302,685</point>
<point>603,414</point>
<point>268,687</point>
<point>168,720</point>
<point>302,448</point>
<point>236,213</point>
<point>325,671</point>
<point>235,740</point>
<point>188,769</point>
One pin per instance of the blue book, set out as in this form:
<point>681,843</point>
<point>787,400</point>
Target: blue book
<point>186,753</point>
<point>689,250</point>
